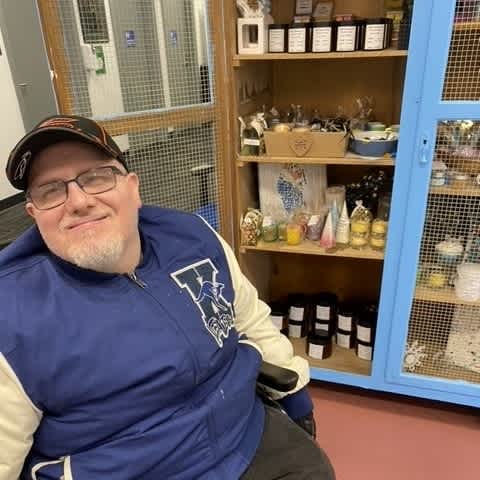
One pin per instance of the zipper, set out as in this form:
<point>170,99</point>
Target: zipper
<point>133,277</point>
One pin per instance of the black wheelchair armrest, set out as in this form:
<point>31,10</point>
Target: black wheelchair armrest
<point>278,378</point>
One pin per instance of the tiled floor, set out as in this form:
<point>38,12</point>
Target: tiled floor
<point>371,436</point>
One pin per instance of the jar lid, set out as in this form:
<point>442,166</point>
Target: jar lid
<point>370,21</point>
<point>295,322</point>
<point>324,23</point>
<point>348,23</point>
<point>277,26</point>
<point>297,300</point>
<point>277,308</point>
<point>319,338</point>
<point>343,332</point>
<point>346,310</point>
<point>299,25</point>
<point>325,298</point>
<point>365,344</point>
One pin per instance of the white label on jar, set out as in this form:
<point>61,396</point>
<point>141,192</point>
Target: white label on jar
<point>304,7</point>
<point>374,35</point>
<point>345,323</point>
<point>437,182</point>
<point>323,313</point>
<point>322,39</point>
<point>346,38</point>
<point>296,40</point>
<point>315,351</point>
<point>276,40</point>
<point>364,351</point>
<point>294,331</point>
<point>296,314</point>
<point>255,142</point>
<point>277,320</point>
<point>343,340</point>
<point>321,326</point>
<point>364,334</point>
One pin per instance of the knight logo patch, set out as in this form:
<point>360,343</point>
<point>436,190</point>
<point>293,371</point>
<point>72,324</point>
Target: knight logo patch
<point>200,280</point>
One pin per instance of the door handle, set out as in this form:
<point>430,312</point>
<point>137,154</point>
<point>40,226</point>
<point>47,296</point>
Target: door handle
<point>424,149</point>
<point>22,85</point>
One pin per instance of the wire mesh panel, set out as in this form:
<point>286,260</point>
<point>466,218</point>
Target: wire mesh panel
<point>145,69</point>
<point>444,329</point>
<point>462,81</point>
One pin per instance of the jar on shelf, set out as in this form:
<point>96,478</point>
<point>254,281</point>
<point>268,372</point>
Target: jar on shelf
<point>364,350</point>
<point>378,234</point>
<point>439,174</point>
<point>299,38</point>
<point>278,315</point>
<point>277,38</point>
<point>319,345</point>
<point>375,34</point>
<point>269,229</point>
<point>323,36</point>
<point>297,315</point>
<point>365,327</point>
<point>282,230</point>
<point>436,277</point>
<point>314,227</point>
<point>344,339</point>
<point>461,181</point>
<point>294,234</point>
<point>346,318</point>
<point>360,222</point>
<point>324,313</point>
<point>348,36</point>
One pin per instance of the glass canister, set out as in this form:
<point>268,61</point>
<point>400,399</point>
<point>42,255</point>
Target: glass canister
<point>378,236</point>
<point>299,38</point>
<point>294,234</point>
<point>277,38</point>
<point>436,276</point>
<point>323,36</point>
<point>360,222</point>
<point>282,230</point>
<point>269,229</point>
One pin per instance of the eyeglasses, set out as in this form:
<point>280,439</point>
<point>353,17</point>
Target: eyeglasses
<point>93,182</point>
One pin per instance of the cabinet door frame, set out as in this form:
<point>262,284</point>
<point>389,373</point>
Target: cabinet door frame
<point>412,179</point>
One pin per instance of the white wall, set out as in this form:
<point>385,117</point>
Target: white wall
<point>11,123</point>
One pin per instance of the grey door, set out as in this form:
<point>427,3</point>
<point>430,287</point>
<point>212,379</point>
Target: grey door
<point>26,52</point>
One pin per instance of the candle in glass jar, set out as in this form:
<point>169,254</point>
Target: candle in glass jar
<point>294,234</point>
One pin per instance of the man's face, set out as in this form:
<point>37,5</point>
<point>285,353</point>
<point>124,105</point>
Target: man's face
<point>98,232</point>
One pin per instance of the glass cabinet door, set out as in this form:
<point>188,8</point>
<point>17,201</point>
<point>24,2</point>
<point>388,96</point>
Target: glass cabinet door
<point>435,336</point>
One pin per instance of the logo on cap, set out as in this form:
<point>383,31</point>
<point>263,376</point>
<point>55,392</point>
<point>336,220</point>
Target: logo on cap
<point>22,166</point>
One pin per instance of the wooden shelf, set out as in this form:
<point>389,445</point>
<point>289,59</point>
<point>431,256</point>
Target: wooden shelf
<point>308,247</point>
<point>445,190</point>
<point>342,359</point>
<point>349,159</point>
<point>237,59</point>
<point>462,26</point>
<point>442,295</point>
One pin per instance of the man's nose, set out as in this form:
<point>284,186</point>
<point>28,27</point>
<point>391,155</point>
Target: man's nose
<point>77,199</point>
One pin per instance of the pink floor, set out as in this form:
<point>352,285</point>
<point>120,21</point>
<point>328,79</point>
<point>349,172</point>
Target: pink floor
<point>371,436</point>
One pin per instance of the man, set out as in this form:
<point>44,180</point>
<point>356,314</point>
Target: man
<point>130,340</point>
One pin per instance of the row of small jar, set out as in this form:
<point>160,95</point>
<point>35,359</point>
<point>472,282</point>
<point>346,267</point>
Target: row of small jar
<point>321,320</point>
<point>359,232</point>
<point>442,175</point>
<point>328,36</point>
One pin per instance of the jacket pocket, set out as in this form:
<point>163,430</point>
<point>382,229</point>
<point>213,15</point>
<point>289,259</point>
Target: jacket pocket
<point>67,469</point>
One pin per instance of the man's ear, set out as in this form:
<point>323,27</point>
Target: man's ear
<point>30,209</point>
<point>135,184</point>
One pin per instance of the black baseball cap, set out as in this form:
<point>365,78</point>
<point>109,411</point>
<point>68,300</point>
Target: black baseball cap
<point>55,129</point>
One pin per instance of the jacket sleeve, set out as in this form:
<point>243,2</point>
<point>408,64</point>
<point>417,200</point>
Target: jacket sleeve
<point>19,419</point>
<point>252,318</point>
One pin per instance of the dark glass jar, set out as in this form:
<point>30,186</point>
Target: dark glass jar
<point>319,345</point>
<point>299,38</point>
<point>346,318</point>
<point>366,324</point>
<point>277,37</point>
<point>375,34</point>
<point>324,313</point>
<point>364,350</point>
<point>278,314</point>
<point>297,315</point>
<point>345,339</point>
<point>323,36</point>
<point>348,35</point>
